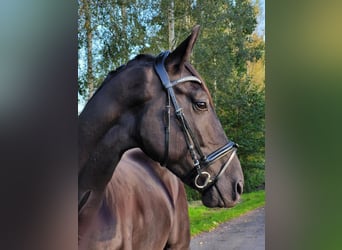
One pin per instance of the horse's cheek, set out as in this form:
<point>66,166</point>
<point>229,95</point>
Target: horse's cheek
<point>151,134</point>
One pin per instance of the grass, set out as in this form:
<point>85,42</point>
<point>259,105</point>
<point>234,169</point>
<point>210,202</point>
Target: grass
<point>204,219</point>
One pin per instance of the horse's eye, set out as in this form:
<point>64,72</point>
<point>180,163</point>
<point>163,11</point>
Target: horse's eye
<point>201,106</point>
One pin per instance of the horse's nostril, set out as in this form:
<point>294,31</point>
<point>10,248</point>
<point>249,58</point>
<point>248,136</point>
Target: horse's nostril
<point>239,187</point>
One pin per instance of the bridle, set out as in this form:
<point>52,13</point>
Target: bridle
<point>200,160</point>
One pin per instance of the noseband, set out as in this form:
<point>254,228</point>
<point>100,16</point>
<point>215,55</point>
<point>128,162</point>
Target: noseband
<point>202,179</point>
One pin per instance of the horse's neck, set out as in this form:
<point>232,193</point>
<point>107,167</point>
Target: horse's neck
<point>108,109</point>
<point>106,153</point>
<point>106,128</point>
<point>94,122</point>
<point>98,169</point>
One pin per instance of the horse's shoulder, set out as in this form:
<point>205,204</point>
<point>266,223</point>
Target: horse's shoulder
<point>136,168</point>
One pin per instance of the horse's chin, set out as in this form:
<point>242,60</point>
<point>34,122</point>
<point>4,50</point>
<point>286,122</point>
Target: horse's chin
<point>213,198</point>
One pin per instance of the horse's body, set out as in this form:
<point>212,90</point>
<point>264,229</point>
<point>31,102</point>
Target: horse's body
<point>132,108</point>
<point>144,207</point>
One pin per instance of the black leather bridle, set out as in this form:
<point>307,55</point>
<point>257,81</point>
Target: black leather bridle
<point>202,179</point>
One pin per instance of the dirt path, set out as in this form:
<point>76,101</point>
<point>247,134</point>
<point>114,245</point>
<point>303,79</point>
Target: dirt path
<point>244,233</point>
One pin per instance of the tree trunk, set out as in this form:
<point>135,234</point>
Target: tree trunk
<point>171,25</point>
<point>124,36</point>
<point>89,45</point>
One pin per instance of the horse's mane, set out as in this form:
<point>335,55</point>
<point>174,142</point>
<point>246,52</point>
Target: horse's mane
<point>115,72</point>
<point>138,58</point>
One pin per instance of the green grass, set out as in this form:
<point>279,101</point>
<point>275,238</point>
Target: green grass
<point>205,219</point>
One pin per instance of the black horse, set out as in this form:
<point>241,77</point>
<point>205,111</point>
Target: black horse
<point>161,105</point>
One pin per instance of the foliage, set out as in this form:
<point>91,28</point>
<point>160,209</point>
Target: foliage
<point>205,219</point>
<point>254,179</point>
<point>191,194</point>
<point>224,56</point>
<point>120,29</point>
<point>228,55</point>
<point>244,122</point>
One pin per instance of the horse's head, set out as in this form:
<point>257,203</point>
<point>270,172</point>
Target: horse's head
<point>179,128</point>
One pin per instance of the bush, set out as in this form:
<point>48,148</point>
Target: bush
<point>254,179</point>
<point>192,195</point>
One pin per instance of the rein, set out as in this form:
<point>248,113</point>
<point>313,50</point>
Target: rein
<point>200,161</point>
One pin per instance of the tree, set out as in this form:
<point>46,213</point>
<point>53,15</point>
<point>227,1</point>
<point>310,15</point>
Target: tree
<point>110,32</point>
<point>85,39</point>
<point>227,50</point>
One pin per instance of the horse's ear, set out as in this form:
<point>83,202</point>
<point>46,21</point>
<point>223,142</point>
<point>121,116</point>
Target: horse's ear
<point>182,53</point>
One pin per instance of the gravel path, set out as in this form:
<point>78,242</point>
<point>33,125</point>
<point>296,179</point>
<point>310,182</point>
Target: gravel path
<point>244,233</point>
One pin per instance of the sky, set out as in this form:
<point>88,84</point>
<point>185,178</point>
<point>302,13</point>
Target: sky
<point>261,19</point>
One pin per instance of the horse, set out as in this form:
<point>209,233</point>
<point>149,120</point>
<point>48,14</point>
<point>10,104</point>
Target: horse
<point>162,106</point>
<point>145,207</point>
